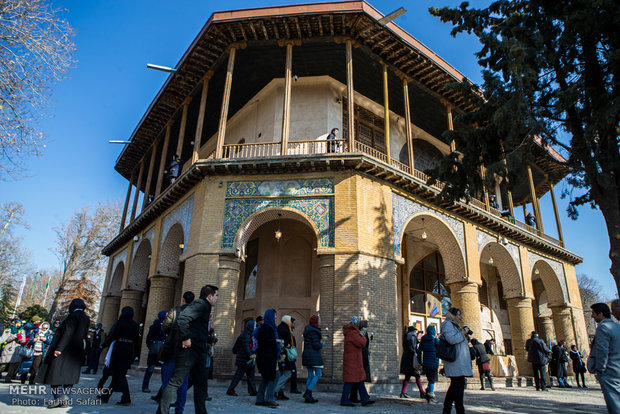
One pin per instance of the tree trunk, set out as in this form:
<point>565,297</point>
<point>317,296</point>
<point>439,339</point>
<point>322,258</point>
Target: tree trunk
<point>610,207</point>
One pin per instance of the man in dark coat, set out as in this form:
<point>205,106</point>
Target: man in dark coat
<point>95,350</point>
<point>124,333</point>
<point>267,354</point>
<point>244,360</point>
<point>62,362</point>
<point>193,329</point>
<point>537,353</point>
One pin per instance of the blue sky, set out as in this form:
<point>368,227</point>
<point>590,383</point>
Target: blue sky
<point>110,88</point>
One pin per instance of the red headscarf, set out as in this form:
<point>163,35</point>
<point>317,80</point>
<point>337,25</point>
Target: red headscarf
<point>314,321</point>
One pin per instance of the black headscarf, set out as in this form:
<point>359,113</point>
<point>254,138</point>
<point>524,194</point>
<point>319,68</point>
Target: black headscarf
<point>76,304</point>
<point>126,312</point>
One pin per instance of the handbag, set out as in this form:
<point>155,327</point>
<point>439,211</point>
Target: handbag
<point>445,350</point>
<point>291,353</point>
<point>25,352</point>
<point>417,366</point>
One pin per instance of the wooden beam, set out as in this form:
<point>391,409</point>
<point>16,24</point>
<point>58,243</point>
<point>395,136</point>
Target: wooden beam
<point>162,161</point>
<point>221,131</point>
<point>201,115</point>
<point>126,206</point>
<point>286,109</point>
<point>181,139</point>
<point>535,205</point>
<point>149,175</point>
<point>555,211</point>
<point>386,112</point>
<point>350,95</point>
<point>135,198</point>
<point>410,154</point>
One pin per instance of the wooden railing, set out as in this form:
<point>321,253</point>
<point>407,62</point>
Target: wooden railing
<point>316,147</point>
<point>270,149</point>
<point>254,150</point>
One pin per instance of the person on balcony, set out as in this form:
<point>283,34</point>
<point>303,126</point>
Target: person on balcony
<point>174,169</point>
<point>530,219</point>
<point>334,146</point>
<point>493,202</point>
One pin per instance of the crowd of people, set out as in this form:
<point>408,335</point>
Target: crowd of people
<point>181,341</point>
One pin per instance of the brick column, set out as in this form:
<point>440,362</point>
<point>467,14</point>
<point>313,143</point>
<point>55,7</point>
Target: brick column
<point>133,298</point>
<point>326,311</point>
<point>110,311</point>
<point>521,326</point>
<point>562,321</point>
<point>161,297</point>
<point>225,312</point>
<point>546,326</point>
<point>464,295</point>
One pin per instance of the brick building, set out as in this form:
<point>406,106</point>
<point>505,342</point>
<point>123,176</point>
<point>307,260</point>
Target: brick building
<point>277,216</point>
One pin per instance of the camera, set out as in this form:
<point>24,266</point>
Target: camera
<point>468,331</point>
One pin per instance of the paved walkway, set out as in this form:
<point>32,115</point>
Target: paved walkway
<point>517,400</point>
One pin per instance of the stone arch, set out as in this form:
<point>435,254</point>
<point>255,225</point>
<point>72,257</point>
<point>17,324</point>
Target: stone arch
<point>171,249</point>
<point>261,217</point>
<point>507,269</point>
<point>116,282</point>
<point>440,236</point>
<point>551,281</point>
<point>139,271</point>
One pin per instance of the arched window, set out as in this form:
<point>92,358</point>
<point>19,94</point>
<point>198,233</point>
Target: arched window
<point>428,293</point>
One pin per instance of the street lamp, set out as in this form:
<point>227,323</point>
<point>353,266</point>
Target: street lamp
<point>161,68</point>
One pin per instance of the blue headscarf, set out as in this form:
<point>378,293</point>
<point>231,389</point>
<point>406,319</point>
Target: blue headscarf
<point>430,330</point>
<point>269,319</point>
<point>250,325</point>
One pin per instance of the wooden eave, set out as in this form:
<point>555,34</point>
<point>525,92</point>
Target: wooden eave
<point>320,21</point>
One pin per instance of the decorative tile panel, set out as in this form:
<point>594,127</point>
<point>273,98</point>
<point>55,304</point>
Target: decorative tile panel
<point>183,215</point>
<point>249,197</point>
<point>556,266</point>
<point>287,188</point>
<point>403,209</point>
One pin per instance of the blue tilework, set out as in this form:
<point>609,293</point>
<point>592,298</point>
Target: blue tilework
<point>280,188</point>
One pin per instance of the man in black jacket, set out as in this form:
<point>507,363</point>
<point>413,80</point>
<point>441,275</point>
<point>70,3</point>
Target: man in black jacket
<point>193,329</point>
<point>537,353</point>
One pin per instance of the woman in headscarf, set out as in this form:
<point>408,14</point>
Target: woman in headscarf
<point>409,363</point>
<point>39,341</point>
<point>125,335</point>
<point>267,354</point>
<point>154,341</point>
<point>63,359</point>
<point>311,357</point>
<point>427,349</point>
<point>244,360</point>
<point>353,372</point>
<point>11,340</point>
<point>460,368</point>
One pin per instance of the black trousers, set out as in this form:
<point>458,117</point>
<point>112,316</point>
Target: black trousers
<point>540,376</point>
<point>248,371</point>
<point>190,362</point>
<point>455,395</point>
<point>119,383</point>
<point>36,363</point>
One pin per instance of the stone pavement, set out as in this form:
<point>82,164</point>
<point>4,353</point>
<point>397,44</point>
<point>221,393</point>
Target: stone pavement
<point>509,400</point>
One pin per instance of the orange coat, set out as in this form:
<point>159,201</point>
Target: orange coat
<point>352,365</point>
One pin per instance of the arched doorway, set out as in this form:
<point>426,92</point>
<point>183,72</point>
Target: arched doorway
<point>170,265</point>
<point>501,281</point>
<point>112,303</point>
<point>432,260</point>
<point>279,272</point>
<point>137,280</point>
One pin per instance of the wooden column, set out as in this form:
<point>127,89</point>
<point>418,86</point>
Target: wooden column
<point>201,115</point>
<point>498,195</point>
<point>450,123</point>
<point>133,174</point>
<point>221,130</point>
<point>535,206</point>
<point>286,107</point>
<point>555,211</point>
<point>149,175</point>
<point>410,155</point>
<point>135,198</point>
<point>483,174</point>
<point>524,211</point>
<point>386,112</point>
<point>350,96</point>
<point>179,150</point>
<point>511,206</point>
<point>163,160</point>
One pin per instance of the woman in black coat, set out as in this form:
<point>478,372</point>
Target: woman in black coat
<point>311,358</point>
<point>579,368</point>
<point>62,362</point>
<point>267,358</point>
<point>409,362</point>
<point>125,334</point>
<point>244,360</point>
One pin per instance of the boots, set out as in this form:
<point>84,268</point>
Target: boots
<point>280,396</point>
<point>430,398</point>
<point>308,398</point>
